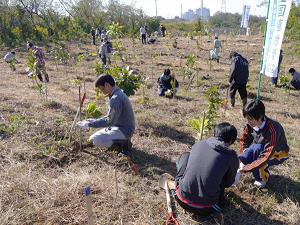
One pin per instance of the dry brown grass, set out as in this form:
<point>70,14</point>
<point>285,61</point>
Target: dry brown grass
<point>42,179</point>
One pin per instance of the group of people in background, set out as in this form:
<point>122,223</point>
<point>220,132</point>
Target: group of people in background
<point>211,165</point>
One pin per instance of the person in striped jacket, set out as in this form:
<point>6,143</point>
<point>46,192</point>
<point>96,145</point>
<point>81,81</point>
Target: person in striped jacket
<point>263,143</point>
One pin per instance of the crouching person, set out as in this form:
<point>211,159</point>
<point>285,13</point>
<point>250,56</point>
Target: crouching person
<point>263,143</point>
<point>119,124</point>
<point>204,173</point>
<point>167,84</point>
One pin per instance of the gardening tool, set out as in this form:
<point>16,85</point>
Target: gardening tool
<point>226,100</point>
<point>202,126</point>
<point>88,200</point>
<point>163,183</point>
<point>77,113</point>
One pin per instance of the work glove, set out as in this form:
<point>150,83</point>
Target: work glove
<point>237,177</point>
<point>84,124</point>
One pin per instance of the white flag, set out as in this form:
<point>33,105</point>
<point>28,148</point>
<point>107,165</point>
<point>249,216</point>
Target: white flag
<point>245,16</point>
<point>277,18</point>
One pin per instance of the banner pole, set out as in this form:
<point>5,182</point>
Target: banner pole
<point>263,52</point>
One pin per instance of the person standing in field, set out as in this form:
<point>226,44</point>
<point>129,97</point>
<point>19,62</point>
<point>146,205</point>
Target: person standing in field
<point>238,78</point>
<point>163,30</point>
<point>40,66</point>
<point>143,34</point>
<point>93,33</point>
<point>214,54</point>
<point>105,51</point>
<point>275,79</point>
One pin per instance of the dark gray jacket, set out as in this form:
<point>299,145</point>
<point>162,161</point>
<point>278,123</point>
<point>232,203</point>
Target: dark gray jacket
<point>210,165</point>
<point>239,70</point>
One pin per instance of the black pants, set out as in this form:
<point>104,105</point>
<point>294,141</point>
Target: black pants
<point>181,165</point>
<point>144,39</point>
<point>241,88</point>
<point>296,84</point>
<point>103,58</point>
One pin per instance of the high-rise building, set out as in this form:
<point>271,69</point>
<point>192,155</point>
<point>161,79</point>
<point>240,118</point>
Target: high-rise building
<point>203,13</point>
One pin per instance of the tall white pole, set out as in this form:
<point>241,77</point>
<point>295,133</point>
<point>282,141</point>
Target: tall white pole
<point>155,8</point>
<point>201,16</point>
<point>181,11</point>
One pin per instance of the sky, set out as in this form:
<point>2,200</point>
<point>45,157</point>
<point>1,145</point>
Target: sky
<point>171,8</point>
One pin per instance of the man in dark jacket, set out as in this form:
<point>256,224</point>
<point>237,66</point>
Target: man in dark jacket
<point>239,73</point>
<point>93,33</point>
<point>263,143</point>
<point>167,84</point>
<point>204,173</point>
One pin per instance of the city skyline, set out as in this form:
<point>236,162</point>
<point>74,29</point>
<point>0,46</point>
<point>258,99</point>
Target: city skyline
<point>171,8</point>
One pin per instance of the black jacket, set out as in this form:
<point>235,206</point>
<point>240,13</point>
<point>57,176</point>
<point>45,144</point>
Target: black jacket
<point>211,164</point>
<point>239,70</point>
<point>271,136</point>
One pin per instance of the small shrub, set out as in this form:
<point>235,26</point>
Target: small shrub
<point>92,111</point>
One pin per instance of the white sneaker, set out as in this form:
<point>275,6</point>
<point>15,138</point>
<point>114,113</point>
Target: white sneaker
<point>260,184</point>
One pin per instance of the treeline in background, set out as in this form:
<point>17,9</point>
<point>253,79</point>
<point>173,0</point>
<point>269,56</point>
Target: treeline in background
<point>71,20</point>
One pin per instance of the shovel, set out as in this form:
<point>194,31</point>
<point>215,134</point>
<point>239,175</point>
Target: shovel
<point>164,183</point>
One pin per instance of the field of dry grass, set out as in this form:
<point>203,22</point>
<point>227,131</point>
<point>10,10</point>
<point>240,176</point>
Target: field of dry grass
<point>43,176</point>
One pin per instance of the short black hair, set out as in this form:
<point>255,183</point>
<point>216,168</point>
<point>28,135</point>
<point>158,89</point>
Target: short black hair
<point>105,78</point>
<point>167,72</point>
<point>226,132</point>
<point>232,54</point>
<point>13,52</point>
<point>254,109</point>
<point>292,70</point>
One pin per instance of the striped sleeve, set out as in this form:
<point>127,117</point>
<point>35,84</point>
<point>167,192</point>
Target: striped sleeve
<point>267,153</point>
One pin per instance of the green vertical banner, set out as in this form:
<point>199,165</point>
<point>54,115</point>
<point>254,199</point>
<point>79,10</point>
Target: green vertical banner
<point>277,16</point>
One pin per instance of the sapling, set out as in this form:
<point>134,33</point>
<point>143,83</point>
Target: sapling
<point>211,114</point>
<point>174,43</point>
<point>32,70</point>
<point>12,65</point>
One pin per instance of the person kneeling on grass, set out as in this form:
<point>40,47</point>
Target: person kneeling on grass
<point>295,82</point>
<point>204,173</point>
<point>119,123</point>
<point>263,143</point>
<point>166,85</point>
<point>10,59</point>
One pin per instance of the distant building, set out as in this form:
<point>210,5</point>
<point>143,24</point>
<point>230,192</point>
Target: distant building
<point>205,13</point>
<point>189,15</point>
<point>193,15</point>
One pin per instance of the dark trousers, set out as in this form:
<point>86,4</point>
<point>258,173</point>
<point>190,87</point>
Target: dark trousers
<point>274,80</point>
<point>181,165</point>
<point>94,40</point>
<point>144,39</point>
<point>103,58</point>
<point>241,88</point>
<point>296,84</point>
<point>252,153</point>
